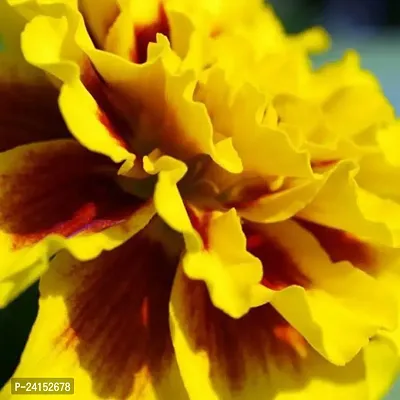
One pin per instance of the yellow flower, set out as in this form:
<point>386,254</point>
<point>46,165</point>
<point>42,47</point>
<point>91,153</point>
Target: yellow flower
<point>224,221</point>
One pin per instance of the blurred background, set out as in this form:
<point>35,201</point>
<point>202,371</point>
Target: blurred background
<point>372,27</point>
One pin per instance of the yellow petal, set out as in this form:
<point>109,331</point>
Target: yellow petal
<point>170,119</point>
<point>383,353</point>
<point>12,63</point>
<point>232,274</point>
<point>344,117</point>
<point>388,140</point>
<point>340,74</point>
<point>382,366</point>
<point>99,18</point>
<point>378,176</point>
<point>348,214</point>
<point>167,199</point>
<point>55,195</point>
<point>314,40</point>
<point>250,358</point>
<point>109,325</point>
<point>282,204</point>
<point>63,58</point>
<point>262,149</point>
<point>339,297</point>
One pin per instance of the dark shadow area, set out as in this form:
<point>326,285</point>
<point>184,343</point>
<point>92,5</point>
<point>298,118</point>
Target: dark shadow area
<point>15,325</point>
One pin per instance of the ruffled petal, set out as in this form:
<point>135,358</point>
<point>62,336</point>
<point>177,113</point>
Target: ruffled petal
<point>262,356</point>
<point>355,210</point>
<point>109,323</point>
<point>342,117</point>
<point>163,119</point>
<point>263,148</point>
<point>320,298</point>
<point>99,19</point>
<point>54,195</point>
<point>65,59</point>
<point>231,274</point>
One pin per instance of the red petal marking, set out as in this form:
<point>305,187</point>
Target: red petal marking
<point>323,163</point>
<point>29,113</point>
<point>249,196</point>
<point>144,34</point>
<point>201,223</point>
<point>342,246</point>
<point>256,337</point>
<point>118,312</point>
<point>216,32</point>
<point>280,270</point>
<point>113,120</point>
<point>61,193</point>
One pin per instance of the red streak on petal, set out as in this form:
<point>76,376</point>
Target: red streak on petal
<point>68,339</point>
<point>145,312</point>
<point>280,270</point>
<point>342,246</point>
<point>231,344</point>
<point>118,311</point>
<point>254,241</point>
<point>216,32</point>
<point>60,193</point>
<point>103,118</point>
<point>249,196</point>
<point>323,163</point>
<point>201,223</point>
<point>289,335</point>
<point>144,34</point>
<point>108,114</point>
<point>80,218</point>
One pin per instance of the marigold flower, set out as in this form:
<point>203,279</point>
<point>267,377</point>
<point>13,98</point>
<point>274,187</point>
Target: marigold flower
<point>210,217</point>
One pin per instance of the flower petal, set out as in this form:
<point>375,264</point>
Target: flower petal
<point>99,19</point>
<point>384,352</point>
<point>64,58</point>
<point>29,113</point>
<point>167,198</point>
<point>341,115</point>
<point>109,324</point>
<point>388,140</point>
<point>54,195</point>
<point>13,67</point>
<point>232,275</point>
<point>282,204</point>
<point>262,149</point>
<point>352,214</point>
<point>165,117</point>
<point>378,176</point>
<point>259,355</point>
<point>381,355</point>
<point>335,296</point>
<point>344,73</point>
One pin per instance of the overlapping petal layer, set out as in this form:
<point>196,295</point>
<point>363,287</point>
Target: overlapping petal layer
<point>112,337</point>
<point>58,195</point>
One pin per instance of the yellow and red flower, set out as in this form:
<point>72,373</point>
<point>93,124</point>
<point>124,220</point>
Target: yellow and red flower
<point>210,217</point>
